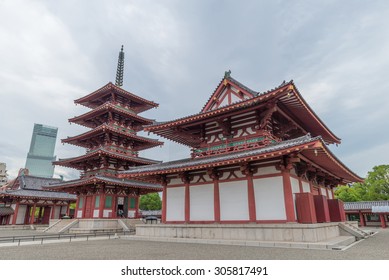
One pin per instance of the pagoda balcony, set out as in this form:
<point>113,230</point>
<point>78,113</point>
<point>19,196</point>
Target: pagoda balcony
<point>233,145</point>
<point>115,149</point>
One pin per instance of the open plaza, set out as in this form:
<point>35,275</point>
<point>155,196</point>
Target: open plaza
<point>375,247</point>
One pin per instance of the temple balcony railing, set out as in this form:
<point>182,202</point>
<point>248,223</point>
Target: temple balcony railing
<point>116,149</point>
<point>228,146</point>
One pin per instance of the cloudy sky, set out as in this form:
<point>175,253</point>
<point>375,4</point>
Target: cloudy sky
<point>176,52</point>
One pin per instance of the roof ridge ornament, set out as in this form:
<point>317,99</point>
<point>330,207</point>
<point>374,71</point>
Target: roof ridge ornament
<point>120,69</point>
<point>227,74</point>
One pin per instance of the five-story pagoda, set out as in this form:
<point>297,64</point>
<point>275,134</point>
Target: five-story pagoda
<point>112,145</point>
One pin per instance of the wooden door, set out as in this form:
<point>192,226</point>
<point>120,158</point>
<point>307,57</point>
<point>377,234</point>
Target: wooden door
<point>88,207</point>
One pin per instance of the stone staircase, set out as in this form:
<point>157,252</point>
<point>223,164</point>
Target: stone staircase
<point>61,226</point>
<point>129,224</point>
<point>350,229</point>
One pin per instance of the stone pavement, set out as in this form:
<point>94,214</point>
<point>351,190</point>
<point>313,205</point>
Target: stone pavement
<point>375,248</point>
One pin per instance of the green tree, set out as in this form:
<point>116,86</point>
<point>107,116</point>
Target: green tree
<point>151,201</point>
<point>375,187</point>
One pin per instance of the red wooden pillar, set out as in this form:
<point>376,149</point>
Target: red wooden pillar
<point>216,199</point>
<point>16,211</point>
<point>33,214</point>
<point>84,202</point>
<point>251,197</point>
<point>101,205</point>
<point>382,219</point>
<point>137,206</point>
<point>164,202</point>
<point>114,202</point>
<point>53,211</point>
<point>288,196</point>
<point>362,219</point>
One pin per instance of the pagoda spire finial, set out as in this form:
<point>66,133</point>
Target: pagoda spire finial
<point>120,69</point>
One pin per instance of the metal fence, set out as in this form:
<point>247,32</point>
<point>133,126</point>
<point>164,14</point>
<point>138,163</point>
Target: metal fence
<point>70,236</point>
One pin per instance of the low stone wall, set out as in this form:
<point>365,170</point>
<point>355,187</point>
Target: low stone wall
<point>256,232</point>
<point>98,224</point>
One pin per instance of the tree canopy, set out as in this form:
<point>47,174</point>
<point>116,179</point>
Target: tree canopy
<point>151,201</point>
<point>375,187</point>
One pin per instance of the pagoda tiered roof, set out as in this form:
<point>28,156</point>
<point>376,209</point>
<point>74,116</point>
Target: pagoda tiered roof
<point>310,149</point>
<point>101,152</point>
<point>286,96</point>
<point>74,185</point>
<point>32,187</point>
<point>84,139</point>
<point>91,119</point>
<point>100,96</point>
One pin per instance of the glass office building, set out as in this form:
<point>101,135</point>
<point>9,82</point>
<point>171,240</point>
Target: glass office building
<point>41,154</point>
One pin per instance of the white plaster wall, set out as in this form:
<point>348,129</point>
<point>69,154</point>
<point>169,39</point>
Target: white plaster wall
<point>175,181</point>
<point>269,199</point>
<point>175,204</point>
<point>234,201</point>
<point>202,203</point>
<point>63,210</point>
<point>295,189</point>
<point>95,213</point>
<point>330,194</point>
<point>131,213</point>
<point>266,170</point>
<point>306,187</point>
<point>323,191</point>
<point>57,212</point>
<point>106,213</point>
<point>21,214</point>
<point>79,213</point>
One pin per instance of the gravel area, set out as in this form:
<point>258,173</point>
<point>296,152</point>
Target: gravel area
<point>375,247</point>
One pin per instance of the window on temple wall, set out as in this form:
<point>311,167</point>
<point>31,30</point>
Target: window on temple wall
<point>132,202</point>
<point>97,202</point>
<point>80,201</point>
<point>108,201</point>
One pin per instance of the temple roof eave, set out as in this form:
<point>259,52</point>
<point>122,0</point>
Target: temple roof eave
<point>103,152</point>
<point>305,144</point>
<point>107,180</point>
<point>75,140</point>
<point>109,107</point>
<point>109,87</point>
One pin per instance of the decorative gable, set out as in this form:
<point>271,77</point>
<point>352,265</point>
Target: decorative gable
<point>228,92</point>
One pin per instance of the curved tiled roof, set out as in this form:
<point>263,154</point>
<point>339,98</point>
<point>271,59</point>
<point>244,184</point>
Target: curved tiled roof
<point>106,179</point>
<point>312,149</point>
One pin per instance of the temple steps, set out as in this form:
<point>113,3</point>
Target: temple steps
<point>61,226</point>
<point>349,228</point>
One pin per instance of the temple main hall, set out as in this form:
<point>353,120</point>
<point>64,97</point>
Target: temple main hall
<point>257,158</point>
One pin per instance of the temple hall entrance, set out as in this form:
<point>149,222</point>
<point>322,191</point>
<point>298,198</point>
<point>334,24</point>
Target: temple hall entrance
<point>122,207</point>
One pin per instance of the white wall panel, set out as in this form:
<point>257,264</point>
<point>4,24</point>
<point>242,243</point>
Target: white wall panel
<point>323,191</point>
<point>295,189</point>
<point>306,187</point>
<point>266,170</point>
<point>175,181</point>
<point>175,204</point>
<point>95,213</point>
<point>330,194</point>
<point>79,213</point>
<point>269,199</point>
<point>234,201</point>
<point>21,214</point>
<point>131,214</point>
<point>107,213</point>
<point>57,212</point>
<point>202,203</point>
